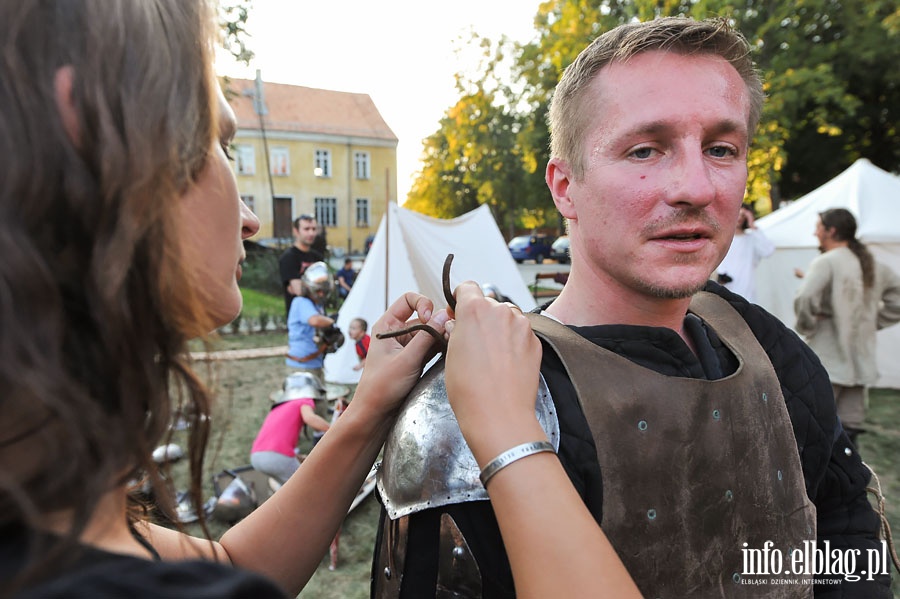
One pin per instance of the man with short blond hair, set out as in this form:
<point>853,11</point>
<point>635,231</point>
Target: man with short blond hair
<point>693,424</point>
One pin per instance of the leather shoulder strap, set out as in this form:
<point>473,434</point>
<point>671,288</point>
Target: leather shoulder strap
<point>574,350</point>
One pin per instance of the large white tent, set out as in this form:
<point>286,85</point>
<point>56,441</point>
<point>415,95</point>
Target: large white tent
<point>873,196</point>
<point>408,254</point>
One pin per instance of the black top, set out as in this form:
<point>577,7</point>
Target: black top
<point>835,481</point>
<point>89,572</point>
<point>291,265</point>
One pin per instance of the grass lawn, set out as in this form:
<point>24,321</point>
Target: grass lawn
<point>256,302</point>
<point>244,389</point>
<point>243,401</point>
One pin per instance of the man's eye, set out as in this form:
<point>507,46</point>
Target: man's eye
<point>721,151</point>
<point>642,153</point>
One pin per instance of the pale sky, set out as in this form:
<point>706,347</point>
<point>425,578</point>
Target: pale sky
<point>400,52</point>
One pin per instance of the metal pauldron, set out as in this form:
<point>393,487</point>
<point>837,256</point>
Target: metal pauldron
<point>427,462</point>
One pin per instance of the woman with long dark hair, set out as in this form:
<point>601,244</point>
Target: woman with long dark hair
<point>121,233</point>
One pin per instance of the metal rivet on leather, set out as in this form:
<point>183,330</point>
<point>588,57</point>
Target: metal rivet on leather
<point>729,495</point>
<point>642,425</point>
<point>717,414</point>
<point>651,514</point>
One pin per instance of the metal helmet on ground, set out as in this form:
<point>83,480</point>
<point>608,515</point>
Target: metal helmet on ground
<point>236,501</point>
<point>317,278</point>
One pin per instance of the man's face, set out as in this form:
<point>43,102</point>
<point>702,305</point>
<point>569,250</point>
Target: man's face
<point>306,233</point>
<point>665,172</point>
<point>822,234</point>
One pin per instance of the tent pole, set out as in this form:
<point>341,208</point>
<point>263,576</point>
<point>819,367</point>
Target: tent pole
<point>387,233</point>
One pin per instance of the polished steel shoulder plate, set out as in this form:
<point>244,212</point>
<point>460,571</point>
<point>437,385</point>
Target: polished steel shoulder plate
<point>427,462</point>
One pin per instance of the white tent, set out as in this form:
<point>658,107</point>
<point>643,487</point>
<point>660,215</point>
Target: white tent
<point>873,196</point>
<point>408,254</point>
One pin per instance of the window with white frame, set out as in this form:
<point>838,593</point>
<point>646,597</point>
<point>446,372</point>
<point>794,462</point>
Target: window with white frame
<point>363,165</point>
<point>326,211</point>
<point>362,212</point>
<point>245,159</point>
<point>250,202</point>
<point>280,160</point>
<point>323,163</point>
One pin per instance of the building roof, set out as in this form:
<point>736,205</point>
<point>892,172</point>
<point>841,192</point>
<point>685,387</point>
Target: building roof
<point>309,110</point>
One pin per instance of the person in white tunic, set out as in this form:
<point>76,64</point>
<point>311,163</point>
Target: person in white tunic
<point>845,298</point>
<point>750,245</point>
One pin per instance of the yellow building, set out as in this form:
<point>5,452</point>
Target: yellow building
<point>312,151</point>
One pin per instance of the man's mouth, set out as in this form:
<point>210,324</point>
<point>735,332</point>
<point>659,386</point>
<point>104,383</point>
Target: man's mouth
<point>684,236</point>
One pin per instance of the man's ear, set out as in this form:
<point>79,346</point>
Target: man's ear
<point>558,177</point>
<point>62,85</point>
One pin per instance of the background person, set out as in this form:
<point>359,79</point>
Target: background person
<point>737,272</point>
<point>675,398</point>
<point>357,332</point>
<point>845,298</point>
<point>308,326</point>
<point>346,276</point>
<point>273,450</point>
<point>122,233</point>
<point>294,261</point>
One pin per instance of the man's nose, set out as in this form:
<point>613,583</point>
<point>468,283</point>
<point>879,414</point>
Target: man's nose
<point>691,182</point>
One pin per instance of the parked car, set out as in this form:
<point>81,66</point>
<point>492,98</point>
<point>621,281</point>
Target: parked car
<point>559,251</point>
<point>530,247</point>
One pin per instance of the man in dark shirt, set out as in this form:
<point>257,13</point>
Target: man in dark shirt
<point>296,258</point>
<point>346,276</point>
<point>680,406</point>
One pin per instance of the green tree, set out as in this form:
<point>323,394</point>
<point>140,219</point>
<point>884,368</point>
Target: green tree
<point>233,16</point>
<point>474,158</point>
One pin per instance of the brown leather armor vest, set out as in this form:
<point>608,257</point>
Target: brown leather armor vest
<point>692,469</point>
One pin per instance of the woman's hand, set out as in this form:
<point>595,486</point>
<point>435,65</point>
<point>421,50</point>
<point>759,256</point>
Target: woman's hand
<point>492,373</point>
<point>394,364</point>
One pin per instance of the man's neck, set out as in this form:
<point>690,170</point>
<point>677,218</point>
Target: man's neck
<point>592,302</point>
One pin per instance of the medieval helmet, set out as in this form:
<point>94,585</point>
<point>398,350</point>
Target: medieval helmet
<point>317,278</point>
<point>236,501</point>
<point>302,385</point>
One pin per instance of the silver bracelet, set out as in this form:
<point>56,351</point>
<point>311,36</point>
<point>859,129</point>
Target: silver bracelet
<point>508,457</point>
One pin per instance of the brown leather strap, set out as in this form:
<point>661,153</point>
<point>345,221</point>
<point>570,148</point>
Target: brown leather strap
<point>311,356</point>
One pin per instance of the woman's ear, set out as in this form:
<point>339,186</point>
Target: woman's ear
<point>62,85</point>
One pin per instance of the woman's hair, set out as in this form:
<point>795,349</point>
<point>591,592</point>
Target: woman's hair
<point>570,112</point>
<point>96,306</point>
<point>844,224</point>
